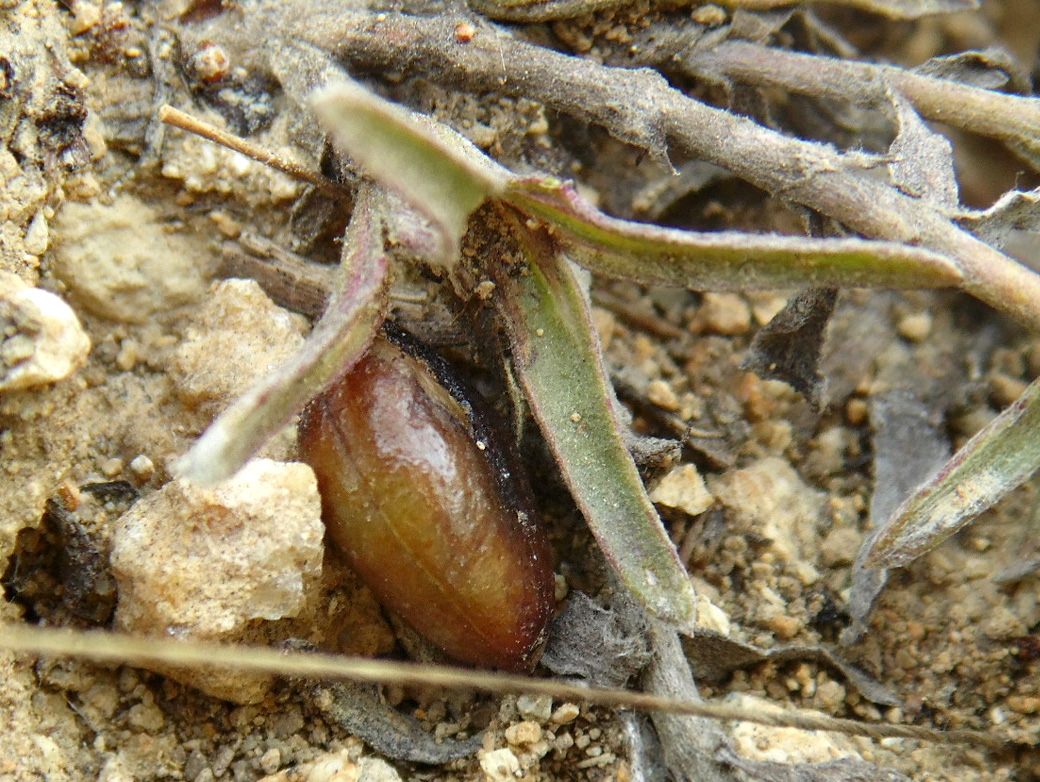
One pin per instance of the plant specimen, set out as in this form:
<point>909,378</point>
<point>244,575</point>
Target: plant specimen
<point>424,196</point>
<point>439,179</point>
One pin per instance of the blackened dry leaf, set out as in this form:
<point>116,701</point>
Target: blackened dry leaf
<point>89,588</point>
<point>921,160</point>
<point>359,709</point>
<point>118,492</point>
<point>595,643</point>
<point>1016,210</point>
<point>789,346</point>
<point>841,770</point>
<point>908,449</point>
<point>714,656</point>
<point>989,70</point>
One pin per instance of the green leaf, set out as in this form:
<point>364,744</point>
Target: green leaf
<point>720,261</point>
<point>557,359</point>
<point>995,461</point>
<point>432,168</point>
<point>354,313</point>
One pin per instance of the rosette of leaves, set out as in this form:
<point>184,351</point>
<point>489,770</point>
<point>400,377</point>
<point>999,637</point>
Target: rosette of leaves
<point>425,182</point>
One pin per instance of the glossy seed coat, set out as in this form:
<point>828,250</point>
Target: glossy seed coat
<point>417,509</point>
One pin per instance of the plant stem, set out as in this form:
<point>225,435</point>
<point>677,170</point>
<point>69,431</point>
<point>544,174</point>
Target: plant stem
<point>639,107</point>
<point>996,114</point>
<point>177,118</point>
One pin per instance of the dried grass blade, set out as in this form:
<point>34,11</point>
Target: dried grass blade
<point>101,646</point>
<point>996,460</point>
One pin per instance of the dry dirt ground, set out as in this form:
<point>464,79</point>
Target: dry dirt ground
<point>127,224</point>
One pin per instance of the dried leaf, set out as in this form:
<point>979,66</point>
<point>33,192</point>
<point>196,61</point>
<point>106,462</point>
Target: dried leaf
<point>360,710</point>
<point>1016,210</point>
<point>908,448</point>
<point>990,69</point>
<point>994,462</point>
<point>789,347</point>
<point>714,657</point>
<point>595,643</point>
<point>921,160</point>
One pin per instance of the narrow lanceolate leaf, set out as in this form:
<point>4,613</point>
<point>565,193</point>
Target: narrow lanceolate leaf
<point>344,332</point>
<point>432,168</point>
<point>558,363</point>
<point>996,460</point>
<point>725,260</point>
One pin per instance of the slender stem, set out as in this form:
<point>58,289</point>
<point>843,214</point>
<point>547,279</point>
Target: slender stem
<point>550,10</point>
<point>177,118</point>
<point>112,647</point>
<point>989,113</point>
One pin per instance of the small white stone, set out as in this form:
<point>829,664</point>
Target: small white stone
<point>722,313</point>
<point>37,238</point>
<point>374,770</point>
<point>784,745</point>
<point>568,712</point>
<point>534,707</point>
<point>915,327</point>
<point>662,395</point>
<point>142,467</point>
<point>711,617</point>
<point>331,767</point>
<point>683,488</point>
<point>500,765</point>
<point>43,341</point>
<point>524,733</point>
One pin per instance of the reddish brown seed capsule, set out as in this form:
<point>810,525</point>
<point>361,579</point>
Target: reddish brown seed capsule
<point>419,512</point>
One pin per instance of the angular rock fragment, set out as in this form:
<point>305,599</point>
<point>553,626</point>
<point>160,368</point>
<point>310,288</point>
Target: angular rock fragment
<point>220,564</point>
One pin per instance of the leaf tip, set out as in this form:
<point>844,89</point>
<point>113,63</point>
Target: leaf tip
<point>209,461</point>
